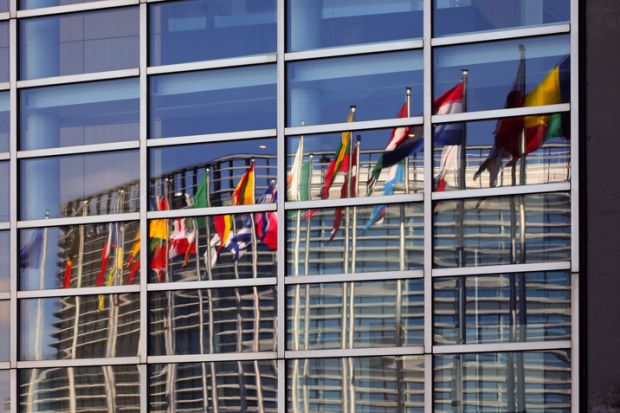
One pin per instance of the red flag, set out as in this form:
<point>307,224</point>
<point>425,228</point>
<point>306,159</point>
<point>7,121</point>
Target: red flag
<point>344,192</point>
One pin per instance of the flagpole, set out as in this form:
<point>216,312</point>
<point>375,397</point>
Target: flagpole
<point>308,221</point>
<point>296,309</point>
<point>355,185</point>
<point>348,190</point>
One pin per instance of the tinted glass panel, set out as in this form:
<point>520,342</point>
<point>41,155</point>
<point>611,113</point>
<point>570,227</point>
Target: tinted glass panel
<point>192,30</point>
<point>107,181</point>
<point>360,314</point>
<point>80,114</point>
<point>502,308</point>
<point>363,242</point>
<point>72,256</point>
<point>5,121</point>
<point>5,330</point>
<point>4,50</point>
<point>4,261</point>
<point>4,5</point>
<point>233,386</point>
<point>322,91</point>
<point>33,4</point>
<point>502,230</point>
<point>498,76</point>
<point>504,152</point>
<point>4,191</point>
<point>5,391</point>
<point>79,43</point>
<point>506,382</point>
<point>213,101</point>
<point>222,320</point>
<point>451,17</point>
<point>101,389</point>
<point>325,385</point>
<point>315,24</point>
<point>178,173</point>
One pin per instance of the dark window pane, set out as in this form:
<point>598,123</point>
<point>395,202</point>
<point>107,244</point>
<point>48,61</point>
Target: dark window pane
<point>222,100</point>
<point>4,191</point>
<point>97,388</point>
<point>221,320</point>
<point>322,91</point>
<point>72,256</point>
<point>502,230</point>
<point>499,78</point>
<point>233,386</point>
<point>5,121</point>
<point>506,382</point>
<point>5,330</point>
<point>89,326</point>
<point>316,24</point>
<point>360,314</point>
<point>193,30</point>
<point>177,173</point>
<point>363,241</point>
<point>107,181</point>
<point>451,17</point>
<point>4,51</point>
<point>80,114</point>
<point>4,261</point>
<point>79,43</point>
<point>502,308</point>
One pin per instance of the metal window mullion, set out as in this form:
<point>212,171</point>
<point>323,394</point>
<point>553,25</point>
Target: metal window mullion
<point>356,352</point>
<point>13,391</point>
<point>212,138</point>
<point>90,219</point>
<point>76,150</point>
<point>198,212</point>
<point>13,181</point>
<point>501,269</point>
<point>502,34</point>
<point>78,292</point>
<point>354,126</point>
<point>212,357</point>
<point>574,127</point>
<point>349,202</point>
<point>78,7</point>
<point>392,46</point>
<point>79,78</point>
<point>5,85</point>
<point>206,285</point>
<point>575,366</point>
<point>85,362</point>
<point>502,191</point>
<point>354,277</point>
<point>501,347</point>
<point>501,113</point>
<point>214,64</point>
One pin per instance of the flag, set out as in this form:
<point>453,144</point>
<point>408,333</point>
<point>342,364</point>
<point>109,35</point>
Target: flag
<point>71,251</point>
<point>305,181</point>
<point>244,191</point>
<point>340,163</point>
<point>200,197</point>
<point>105,255</point>
<point>449,102</point>
<point>30,254</point>
<point>294,177</point>
<point>346,190</point>
<point>267,222</point>
<point>181,240</point>
<point>134,259</point>
<point>158,235</point>
<point>449,162</point>
<point>239,243</point>
<point>396,155</point>
<point>396,174</point>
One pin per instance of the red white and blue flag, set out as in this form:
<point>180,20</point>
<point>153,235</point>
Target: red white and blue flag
<point>449,102</point>
<point>267,222</point>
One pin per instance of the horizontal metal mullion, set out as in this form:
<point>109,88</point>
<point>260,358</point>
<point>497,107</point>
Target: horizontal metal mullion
<point>213,64</point>
<point>501,191</point>
<point>501,269</point>
<point>4,365</point>
<point>69,8</point>
<point>501,113</point>
<point>353,126</point>
<point>5,295</point>
<point>111,361</point>
<point>355,50</point>
<point>5,86</point>
<point>90,219</point>
<point>215,137</point>
<point>203,285</point>
<point>351,202</point>
<point>5,225</point>
<point>355,352</point>
<point>501,347</point>
<point>370,276</point>
<point>80,78</point>
<point>73,292</point>
<point>82,149</point>
<point>202,358</point>
<point>501,35</point>
<point>5,156</point>
<point>199,212</point>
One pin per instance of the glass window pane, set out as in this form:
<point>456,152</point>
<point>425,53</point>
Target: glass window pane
<point>494,152</point>
<point>505,74</point>
<point>178,173</point>
<point>73,256</point>
<point>451,17</point>
<point>34,4</point>
<point>502,230</point>
<point>360,314</point>
<point>5,391</point>
<point>4,50</point>
<point>5,330</point>
<point>98,388</point>
<point>89,326</point>
<point>322,91</point>
<point>4,5</point>
<point>506,382</point>
<point>331,23</point>
<point>107,181</point>
<point>222,100</point>
<point>75,43</point>
<point>193,30</point>
<point>5,121</point>
<point>230,385</point>
<point>235,320</point>
<point>4,261</point>
<point>367,239</point>
<point>324,385</point>
<point>502,308</point>
<point>79,114</point>
<point>4,191</point>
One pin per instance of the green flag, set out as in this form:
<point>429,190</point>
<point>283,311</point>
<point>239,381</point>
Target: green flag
<point>304,182</point>
<point>200,198</point>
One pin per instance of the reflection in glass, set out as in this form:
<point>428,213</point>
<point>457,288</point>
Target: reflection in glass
<point>322,91</point>
<point>4,49</point>
<point>5,329</point>
<point>4,191</point>
<point>4,6</point>
<point>353,315</point>
<point>89,326</point>
<point>516,229</point>
<point>5,121</point>
<point>365,239</point>
<point>74,256</point>
<point>79,114</point>
<point>503,382</point>
<point>213,101</point>
<point>493,153</point>
<point>229,386</point>
<point>380,167</point>
<point>315,24</point>
<point>451,17</point>
<point>5,391</point>
<point>193,30</point>
<point>502,308</point>
<point>75,43</point>
<point>34,4</point>
<point>107,181</point>
<point>99,388</point>
<point>220,320</point>
<point>360,384</point>
<point>507,74</point>
<point>4,261</point>
<point>178,172</point>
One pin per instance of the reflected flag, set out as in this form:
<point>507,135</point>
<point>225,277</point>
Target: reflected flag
<point>267,222</point>
<point>31,253</point>
<point>182,240</point>
<point>347,190</point>
<point>134,259</point>
<point>158,236</point>
<point>449,102</point>
<point>239,243</point>
<point>294,178</point>
<point>396,174</point>
<point>340,163</point>
<point>71,251</point>
<point>244,191</point>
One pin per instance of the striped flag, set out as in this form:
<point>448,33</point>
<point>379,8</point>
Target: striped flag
<point>450,135</point>
<point>244,191</point>
<point>396,174</point>
<point>294,177</point>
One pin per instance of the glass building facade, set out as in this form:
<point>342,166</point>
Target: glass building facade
<point>289,206</point>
